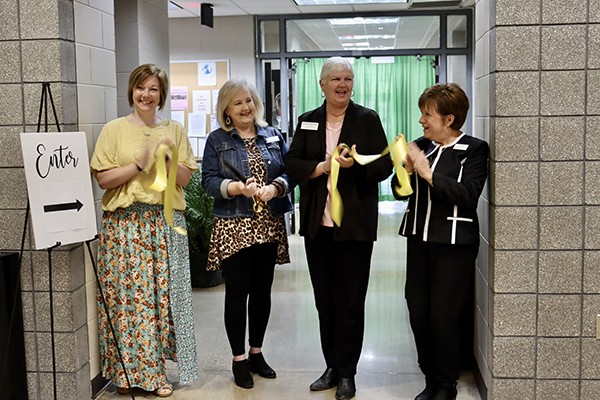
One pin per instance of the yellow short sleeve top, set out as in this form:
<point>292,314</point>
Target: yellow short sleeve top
<point>122,142</point>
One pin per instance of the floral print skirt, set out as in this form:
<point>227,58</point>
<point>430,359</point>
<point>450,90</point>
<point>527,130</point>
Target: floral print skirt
<point>143,267</point>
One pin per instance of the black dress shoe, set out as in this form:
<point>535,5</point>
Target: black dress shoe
<point>241,374</point>
<point>445,391</point>
<point>429,391</point>
<point>258,365</point>
<point>346,389</point>
<point>326,381</point>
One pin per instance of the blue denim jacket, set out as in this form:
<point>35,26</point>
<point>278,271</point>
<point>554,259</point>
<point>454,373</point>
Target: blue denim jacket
<point>227,149</point>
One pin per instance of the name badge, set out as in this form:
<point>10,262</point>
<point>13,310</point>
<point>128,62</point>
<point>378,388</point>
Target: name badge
<point>461,146</point>
<point>272,139</point>
<point>311,126</point>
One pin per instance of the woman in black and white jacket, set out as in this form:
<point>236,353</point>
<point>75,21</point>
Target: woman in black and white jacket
<point>448,172</point>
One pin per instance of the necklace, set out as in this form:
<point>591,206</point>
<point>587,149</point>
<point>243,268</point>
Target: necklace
<point>145,128</point>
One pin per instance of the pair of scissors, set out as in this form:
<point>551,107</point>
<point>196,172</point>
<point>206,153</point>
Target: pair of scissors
<point>258,205</point>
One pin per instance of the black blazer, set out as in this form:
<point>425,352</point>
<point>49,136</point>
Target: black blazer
<point>447,211</point>
<point>358,185</point>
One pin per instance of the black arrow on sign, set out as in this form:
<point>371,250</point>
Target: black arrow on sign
<point>64,206</point>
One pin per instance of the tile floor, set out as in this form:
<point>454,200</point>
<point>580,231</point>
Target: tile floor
<point>387,369</point>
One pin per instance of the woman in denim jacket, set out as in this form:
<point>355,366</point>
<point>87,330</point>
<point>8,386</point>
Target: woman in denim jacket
<point>243,170</point>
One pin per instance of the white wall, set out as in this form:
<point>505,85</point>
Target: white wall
<point>232,38</point>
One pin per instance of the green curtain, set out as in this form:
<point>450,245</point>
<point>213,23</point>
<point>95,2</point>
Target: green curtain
<point>391,89</point>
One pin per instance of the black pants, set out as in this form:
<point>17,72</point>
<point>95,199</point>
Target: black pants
<point>339,272</point>
<point>248,281</point>
<point>438,284</point>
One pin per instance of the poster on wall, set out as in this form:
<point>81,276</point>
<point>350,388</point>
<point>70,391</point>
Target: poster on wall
<point>214,123</point>
<point>179,98</point>
<point>207,73</point>
<point>178,116</point>
<point>196,125</point>
<point>59,187</point>
<point>215,99</point>
<point>201,101</point>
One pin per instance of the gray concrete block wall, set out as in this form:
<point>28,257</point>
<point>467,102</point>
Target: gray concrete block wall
<point>37,44</point>
<point>544,236</point>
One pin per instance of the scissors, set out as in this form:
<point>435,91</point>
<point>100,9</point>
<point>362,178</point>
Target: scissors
<point>258,205</point>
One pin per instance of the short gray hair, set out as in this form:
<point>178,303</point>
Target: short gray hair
<point>226,93</point>
<point>335,64</point>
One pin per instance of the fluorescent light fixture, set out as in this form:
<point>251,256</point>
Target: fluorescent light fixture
<point>338,2</point>
<point>362,21</point>
<point>356,44</point>
<point>365,37</point>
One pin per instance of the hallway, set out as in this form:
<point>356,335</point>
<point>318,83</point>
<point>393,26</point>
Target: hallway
<point>387,369</point>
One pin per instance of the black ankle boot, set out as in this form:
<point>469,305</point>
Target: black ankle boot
<point>346,389</point>
<point>445,391</point>
<point>241,374</point>
<point>259,366</point>
<point>326,381</point>
<point>429,391</point>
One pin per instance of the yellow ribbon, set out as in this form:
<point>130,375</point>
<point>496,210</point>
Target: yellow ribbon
<point>162,183</point>
<point>399,151</point>
<point>337,205</point>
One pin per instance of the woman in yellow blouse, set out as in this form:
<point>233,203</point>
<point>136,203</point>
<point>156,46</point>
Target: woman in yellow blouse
<point>143,264</point>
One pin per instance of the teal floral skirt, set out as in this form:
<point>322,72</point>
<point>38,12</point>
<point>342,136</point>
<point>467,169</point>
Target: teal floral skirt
<point>144,272</point>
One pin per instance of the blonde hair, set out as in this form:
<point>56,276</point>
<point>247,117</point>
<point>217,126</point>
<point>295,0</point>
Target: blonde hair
<point>226,93</point>
<point>143,72</point>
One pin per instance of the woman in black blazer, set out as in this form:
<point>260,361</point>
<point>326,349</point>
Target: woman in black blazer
<point>339,257</point>
<point>448,170</point>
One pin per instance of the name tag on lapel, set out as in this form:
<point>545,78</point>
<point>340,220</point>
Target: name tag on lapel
<point>310,126</point>
<point>272,139</point>
<point>461,146</point>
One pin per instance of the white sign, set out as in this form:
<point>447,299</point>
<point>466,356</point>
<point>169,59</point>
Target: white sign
<point>201,101</point>
<point>59,187</point>
<point>207,73</point>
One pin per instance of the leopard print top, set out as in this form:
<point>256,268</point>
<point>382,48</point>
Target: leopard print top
<point>230,235</point>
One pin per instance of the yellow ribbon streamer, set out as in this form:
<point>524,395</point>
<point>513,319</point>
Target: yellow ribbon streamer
<point>337,205</point>
<point>162,183</point>
<point>399,151</point>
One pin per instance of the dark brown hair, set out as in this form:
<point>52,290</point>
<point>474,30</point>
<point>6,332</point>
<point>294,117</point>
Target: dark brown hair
<point>447,99</point>
<point>143,72</point>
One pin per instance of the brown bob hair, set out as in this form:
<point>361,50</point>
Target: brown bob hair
<point>447,99</point>
<point>143,72</point>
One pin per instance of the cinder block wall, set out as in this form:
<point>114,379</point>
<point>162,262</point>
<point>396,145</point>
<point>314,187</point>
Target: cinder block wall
<point>37,45</point>
<point>538,282</point>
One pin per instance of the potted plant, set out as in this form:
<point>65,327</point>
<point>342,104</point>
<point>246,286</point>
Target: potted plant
<point>199,219</point>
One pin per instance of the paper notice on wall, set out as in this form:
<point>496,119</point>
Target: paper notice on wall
<point>215,98</point>
<point>201,101</point>
<point>179,98</point>
<point>178,116</point>
<point>214,124</point>
<point>207,73</point>
<point>196,125</point>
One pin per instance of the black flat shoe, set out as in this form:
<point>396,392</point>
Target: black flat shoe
<point>346,389</point>
<point>445,391</point>
<point>241,374</point>
<point>326,381</point>
<point>259,366</point>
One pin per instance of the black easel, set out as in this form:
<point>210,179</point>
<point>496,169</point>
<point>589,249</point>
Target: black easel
<point>47,95</point>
